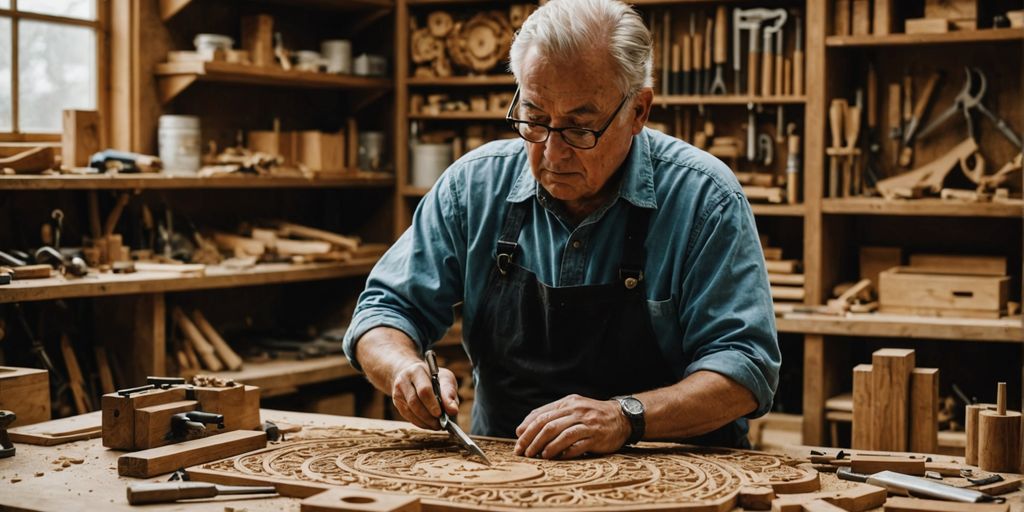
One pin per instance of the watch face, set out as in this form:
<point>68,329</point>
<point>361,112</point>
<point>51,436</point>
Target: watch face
<point>632,405</point>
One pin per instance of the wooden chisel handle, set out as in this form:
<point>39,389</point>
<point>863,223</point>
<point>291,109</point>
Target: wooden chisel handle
<point>698,61</point>
<point>752,60</point>
<point>165,492</point>
<point>798,73</point>
<point>836,111</point>
<point>721,35</point>
<point>767,65</point>
<point>852,128</point>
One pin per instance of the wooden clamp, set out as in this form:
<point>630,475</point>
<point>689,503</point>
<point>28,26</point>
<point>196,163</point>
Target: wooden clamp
<point>930,177</point>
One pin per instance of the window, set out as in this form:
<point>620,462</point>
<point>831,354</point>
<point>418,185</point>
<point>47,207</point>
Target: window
<point>49,61</point>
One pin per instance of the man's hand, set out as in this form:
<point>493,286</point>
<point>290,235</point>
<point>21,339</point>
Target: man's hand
<point>413,395</point>
<point>572,426</point>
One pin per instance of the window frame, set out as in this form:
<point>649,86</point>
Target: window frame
<point>101,28</point>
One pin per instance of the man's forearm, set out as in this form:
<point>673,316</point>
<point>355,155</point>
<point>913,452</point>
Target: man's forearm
<point>383,352</point>
<point>698,404</point>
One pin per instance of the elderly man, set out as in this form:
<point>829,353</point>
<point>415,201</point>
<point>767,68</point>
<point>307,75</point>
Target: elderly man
<point>612,284</point>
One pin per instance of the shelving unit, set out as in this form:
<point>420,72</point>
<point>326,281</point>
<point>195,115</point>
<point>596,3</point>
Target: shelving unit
<point>991,35</point>
<point>160,181</point>
<point>661,100</point>
<point>921,208</point>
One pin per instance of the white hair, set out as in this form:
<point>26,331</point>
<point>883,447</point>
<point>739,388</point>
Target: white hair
<point>561,30</point>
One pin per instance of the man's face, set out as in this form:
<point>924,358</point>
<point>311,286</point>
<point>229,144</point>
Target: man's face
<point>578,94</point>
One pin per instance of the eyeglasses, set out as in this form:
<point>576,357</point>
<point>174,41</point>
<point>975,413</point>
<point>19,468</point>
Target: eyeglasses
<point>579,138</point>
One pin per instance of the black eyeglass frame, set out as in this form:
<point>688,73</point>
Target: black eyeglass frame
<point>597,133</point>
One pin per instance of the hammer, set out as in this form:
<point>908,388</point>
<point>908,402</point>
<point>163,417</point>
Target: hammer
<point>6,446</point>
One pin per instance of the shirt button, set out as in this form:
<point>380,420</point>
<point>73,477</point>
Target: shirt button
<point>576,244</point>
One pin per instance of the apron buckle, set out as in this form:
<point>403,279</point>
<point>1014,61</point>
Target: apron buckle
<point>503,262</point>
<point>505,252</point>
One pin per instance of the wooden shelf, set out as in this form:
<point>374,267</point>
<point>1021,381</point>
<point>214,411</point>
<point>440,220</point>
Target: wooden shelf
<point>904,326</point>
<point>956,37</point>
<point>281,377</point>
<point>175,77</point>
<point>354,179</point>
<point>459,116</point>
<point>410,191</point>
<point>674,100</point>
<point>169,8</point>
<point>778,210</point>
<point>158,282</point>
<point>930,207</point>
<point>463,81</point>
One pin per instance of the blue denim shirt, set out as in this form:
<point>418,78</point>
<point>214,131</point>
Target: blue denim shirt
<point>705,277</point>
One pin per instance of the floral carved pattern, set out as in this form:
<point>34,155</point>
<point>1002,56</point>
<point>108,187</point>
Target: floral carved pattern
<point>428,465</point>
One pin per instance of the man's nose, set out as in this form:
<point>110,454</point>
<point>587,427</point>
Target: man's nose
<point>555,148</point>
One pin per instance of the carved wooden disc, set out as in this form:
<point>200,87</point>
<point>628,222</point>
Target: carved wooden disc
<point>430,466</point>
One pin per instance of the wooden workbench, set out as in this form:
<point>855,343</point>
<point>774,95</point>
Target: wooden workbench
<point>95,485</point>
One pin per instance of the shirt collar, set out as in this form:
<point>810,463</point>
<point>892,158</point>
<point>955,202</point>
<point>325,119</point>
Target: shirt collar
<point>637,185</point>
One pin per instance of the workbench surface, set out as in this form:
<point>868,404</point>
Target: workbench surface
<point>94,484</point>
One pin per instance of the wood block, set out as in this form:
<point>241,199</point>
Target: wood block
<point>951,9</point>
<point>870,464</point>
<point>786,279</point>
<point>787,293</point>
<point>756,497</point>
<point>230,402</point>
<point>119,414</point>
<point>857,498</point>
<point>899,504</point>
<point>359,500</point>
<point>26,392</point>
<point>875,260</point>
<point>906,287</point>
<point>890,394</point>
<point>924,410</point>
<point>957,264</point>
<point>861,17</point>
<point>999,441</point>
<point>1011,484</point>
<point>926,26</point>
<point>31,272</point>
<point>965,24</point>
<point>861,438</point>
<point>1016,18</point>
<point>971,428</point>
<point>783,266</point>
<point>772,253</point>
<point>258,38</point>
<point>153,423</point>
<point>321,151</point>
<point>81,137</point>
<point>883,17</point>
<point>820,506</point>
<point>165,459</point>
<point>842,17</point>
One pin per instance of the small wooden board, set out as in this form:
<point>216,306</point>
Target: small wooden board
<point>898,504</point>
<point>64,430</point>
<point>165,459</point>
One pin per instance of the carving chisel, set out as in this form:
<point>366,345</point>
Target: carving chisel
<point>447,422</point>
<point>906,485</point>
<point>166,492</point>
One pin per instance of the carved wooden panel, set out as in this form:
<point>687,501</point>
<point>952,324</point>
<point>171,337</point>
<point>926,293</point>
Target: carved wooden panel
<point>424,464</point>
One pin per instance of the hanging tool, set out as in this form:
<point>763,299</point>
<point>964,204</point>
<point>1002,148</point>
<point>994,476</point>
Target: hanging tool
<point>966,101</point>
<point>836,113</point>
<point>58,226</point>
<point>893,116</point>
<point>721,38</point>
<point>167,492</point>
<point>709,31</point>
<point>750,20</point>
<point>751,133</point>
<point>448,423</point>
<point>906,485</point>
<point>773,36</point>
<point>792,164</point>
<point>798,57</point>
<point>910,129</point>
<point>907,114</point>
<point>780,43</point>
<point>851,131</point>
<point>698,59</point>
<point>874,147</point>
<point>687,57</point>
<point>765,149</point>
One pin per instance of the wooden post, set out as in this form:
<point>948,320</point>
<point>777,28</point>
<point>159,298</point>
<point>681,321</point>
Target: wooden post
<point>861,428</point>
<point>890,392</point>
<point>924,410</point>
<point>999,436</point>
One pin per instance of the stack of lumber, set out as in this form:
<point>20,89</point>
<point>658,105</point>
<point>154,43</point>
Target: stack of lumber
<point>787,283</point>
<point>201,346</point>
<point>895,405</point>
<point>296,243</point>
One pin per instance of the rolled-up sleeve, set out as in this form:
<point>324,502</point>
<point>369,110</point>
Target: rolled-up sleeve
<point>414,285</point>
<point>726,308</point>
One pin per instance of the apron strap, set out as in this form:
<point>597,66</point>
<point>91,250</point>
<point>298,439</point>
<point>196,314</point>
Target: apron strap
<point>631,269</point>
<point>508,239</point>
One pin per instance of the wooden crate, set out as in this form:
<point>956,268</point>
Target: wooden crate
<point>26,391</point>
<point>909,290</point>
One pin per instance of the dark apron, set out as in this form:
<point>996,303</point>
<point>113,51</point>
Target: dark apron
<point>534,344</point>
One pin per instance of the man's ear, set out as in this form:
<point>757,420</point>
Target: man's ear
<point>641,106</point>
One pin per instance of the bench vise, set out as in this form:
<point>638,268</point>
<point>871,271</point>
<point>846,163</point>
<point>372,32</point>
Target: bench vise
<point>167,411</point>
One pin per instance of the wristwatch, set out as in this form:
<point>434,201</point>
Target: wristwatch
<point>633,409</point>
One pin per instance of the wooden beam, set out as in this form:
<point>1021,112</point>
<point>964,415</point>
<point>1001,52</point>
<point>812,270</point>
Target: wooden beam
<point>924,410</point>
<point>890,392</point>
<point>165,459</point>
